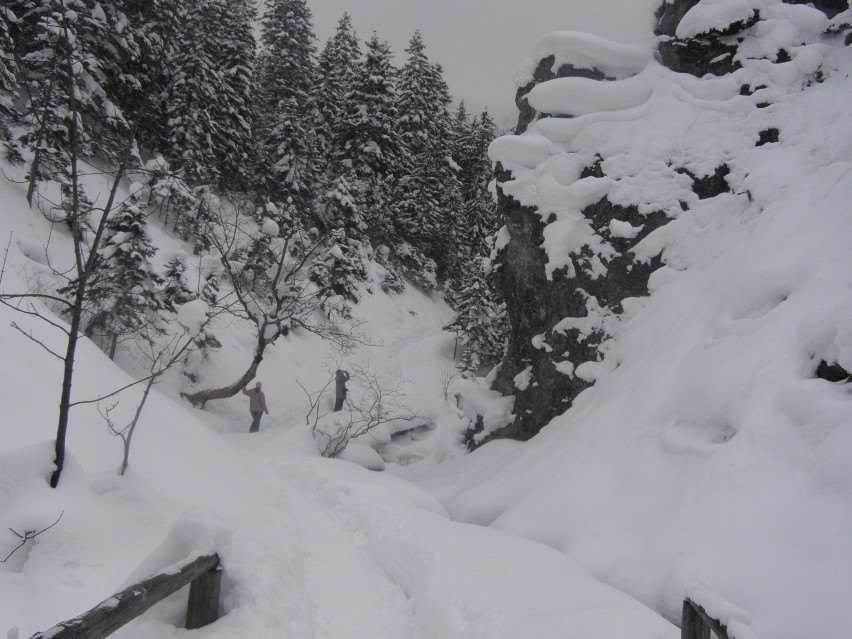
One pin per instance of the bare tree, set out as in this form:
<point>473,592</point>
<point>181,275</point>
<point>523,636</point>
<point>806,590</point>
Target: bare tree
<point>379,402</point>
<point>27,535</point>
<point>446,376</point>
<point>162,353</point>
<point>85,221</point>
<point>267,263</point>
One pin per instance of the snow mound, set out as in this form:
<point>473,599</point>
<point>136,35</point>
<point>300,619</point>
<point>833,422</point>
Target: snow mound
<point>584,51</point>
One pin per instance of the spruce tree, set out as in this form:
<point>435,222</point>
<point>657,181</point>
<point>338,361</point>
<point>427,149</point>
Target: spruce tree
<point>8,82</point>
<point>285,117</point>
<point>336,69</point>
<point>125,292</point>
<point>175,291</point>
<point>195,87</point>
<point>477,173</point>
<point>369,142</point>
<point>479,322</point>
<point>429,196</point>
<point>235,57</point>
<point>342,265</point>
<point>68,101</point>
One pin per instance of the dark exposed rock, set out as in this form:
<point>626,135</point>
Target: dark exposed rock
<point>669,15</point>
<point>832,372</point>
<point>711,52</point>
<point>767,136</point>
<point>709,185</point>
<point>543,73</point>
<point>698,57</point>
<point>535,304</point>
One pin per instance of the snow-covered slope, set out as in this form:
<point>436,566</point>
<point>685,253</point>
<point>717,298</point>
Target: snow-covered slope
<point>311,547</point>
<point>708,456</point>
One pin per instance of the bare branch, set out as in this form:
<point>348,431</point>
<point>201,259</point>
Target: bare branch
<point>27,535</point>
<point>30,337</point>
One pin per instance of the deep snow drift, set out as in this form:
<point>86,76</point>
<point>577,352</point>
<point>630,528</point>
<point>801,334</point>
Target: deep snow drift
<point>708,455</point>
<point>311,547</point>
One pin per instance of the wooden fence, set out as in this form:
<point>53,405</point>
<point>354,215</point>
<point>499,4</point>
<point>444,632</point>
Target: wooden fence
<point>203,576</point>
<point>697,624</point>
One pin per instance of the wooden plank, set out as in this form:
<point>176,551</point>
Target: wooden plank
<point>692,626</point>
<point>118,610</point>
<point>203,606</point>
<point>718,628</point>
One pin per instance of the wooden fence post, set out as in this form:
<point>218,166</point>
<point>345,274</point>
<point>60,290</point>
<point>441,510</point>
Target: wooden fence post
<point>202,608</point>
<point>692,626</point>
<point>123,607</point>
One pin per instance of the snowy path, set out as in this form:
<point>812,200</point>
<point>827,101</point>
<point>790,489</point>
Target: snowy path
<point>383,560</point>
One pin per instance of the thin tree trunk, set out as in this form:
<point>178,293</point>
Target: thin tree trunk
<point>126,459</point>
<point>34,166</point>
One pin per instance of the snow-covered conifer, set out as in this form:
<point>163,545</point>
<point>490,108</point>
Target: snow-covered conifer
<point>235,58</point>
<point>336,68</point>
<point>428,197</point>
<point>285,118</point>
<point>369,142</point>
<point>480,320</point>
<point>195,86</point>
<point>342,265</point>
<point>124,293</point>
<point>8,81</point>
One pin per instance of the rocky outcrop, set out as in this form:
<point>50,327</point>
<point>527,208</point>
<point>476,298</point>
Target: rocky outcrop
<point>533,368</point>
<point>543,72</point>
<point>564,310</point>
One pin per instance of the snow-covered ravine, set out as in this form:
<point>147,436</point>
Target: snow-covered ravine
<point>311,547</point>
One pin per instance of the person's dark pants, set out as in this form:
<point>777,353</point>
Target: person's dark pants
<point>338,404</point>
<point>255,423</point>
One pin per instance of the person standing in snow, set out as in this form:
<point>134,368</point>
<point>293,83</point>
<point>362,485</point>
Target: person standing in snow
<point>257,406</point>
<point>340,390</point>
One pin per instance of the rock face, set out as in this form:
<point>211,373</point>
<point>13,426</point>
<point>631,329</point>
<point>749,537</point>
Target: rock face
<point>562,314</point>
<point>537,305</point>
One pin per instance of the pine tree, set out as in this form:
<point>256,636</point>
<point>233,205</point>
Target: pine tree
<point>285,119</point>
<point>369,143</point>
<point>8,83</point>
<point>69,115</point>
<point>429,197</point>
<point>124,294</point>
<point>195,87</point>
<point>235,58</point>
<point>477,173</point>
<point>480,320</point>
<point>175,291</point>
<point>336,69</point>
<point>342,265</point>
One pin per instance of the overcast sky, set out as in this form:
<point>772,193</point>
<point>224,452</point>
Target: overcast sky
<point>480,43</point>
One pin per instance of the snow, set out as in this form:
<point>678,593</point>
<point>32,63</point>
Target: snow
<point>523,379</point>
<point>726,458</point>
<point>192,315</point>
<point>584,51</point>
<point>581,96</point>
<point>706,461</point>
<point>714,15</point>
<point>270,227</point>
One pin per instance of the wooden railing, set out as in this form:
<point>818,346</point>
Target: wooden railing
<point>697,624</point>
<point>203,576</point>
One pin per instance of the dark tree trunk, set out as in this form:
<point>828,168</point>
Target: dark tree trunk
<point>200,398</point>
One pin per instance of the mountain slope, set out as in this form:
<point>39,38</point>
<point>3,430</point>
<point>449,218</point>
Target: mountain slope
<point>704,449</point>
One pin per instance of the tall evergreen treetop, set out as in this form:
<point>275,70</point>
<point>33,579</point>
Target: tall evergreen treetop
<point>288,54</point>
<point>336,69</point>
